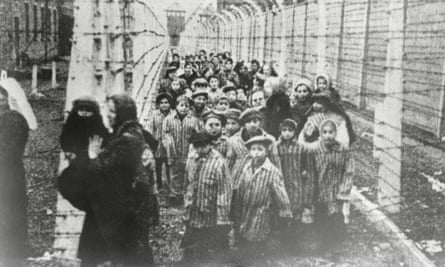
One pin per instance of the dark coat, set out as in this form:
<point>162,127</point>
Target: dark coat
<point>115,193</point>
<point>277,109</point>
<point>13,201</point>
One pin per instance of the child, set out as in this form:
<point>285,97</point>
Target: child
<point>176,88</point>
<point>207,201</point>
<point>164,102</point>
<point>214,90</point>
<point>214,122</point>
<point>232,125</point>
<point>258,196</point>
<point>176,131</point>
<point>222,104</point>
<point>241,98</point>
<point>323,84</point>
<point>251,120</point>
<point>297,173</point>
<point>230,92</point>
<point>199,98</point>
<point>333,184</point>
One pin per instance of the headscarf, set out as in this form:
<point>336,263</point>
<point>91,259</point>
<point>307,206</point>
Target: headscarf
<point>17,101</point>
<point>325,76</point>
<point>126,109</point>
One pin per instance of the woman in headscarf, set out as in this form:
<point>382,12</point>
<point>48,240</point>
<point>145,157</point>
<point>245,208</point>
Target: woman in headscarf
<point>13,200</point>
<point>277,108</point>
<point>84,121</point>
<point>117,187</point>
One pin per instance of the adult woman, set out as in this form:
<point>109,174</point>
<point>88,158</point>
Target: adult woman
<point>117,189</point>
<point>13,200</point>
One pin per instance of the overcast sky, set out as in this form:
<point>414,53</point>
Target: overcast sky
<point>189,6</point>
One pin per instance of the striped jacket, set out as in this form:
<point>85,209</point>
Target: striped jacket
<point>208,191</point>
<point>176,134</point>
<point>238,154</point>
<point>256,196</point>
<point>334,172</point>
<point>298,170</point>
<point>154,125</point>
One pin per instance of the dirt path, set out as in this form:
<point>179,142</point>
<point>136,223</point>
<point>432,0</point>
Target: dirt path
<point>364,246</point>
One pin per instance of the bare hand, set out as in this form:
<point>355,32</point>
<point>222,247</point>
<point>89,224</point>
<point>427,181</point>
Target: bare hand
<point>95,145</point>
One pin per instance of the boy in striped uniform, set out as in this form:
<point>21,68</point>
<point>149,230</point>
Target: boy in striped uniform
<point>238,155</point>
<point>153,124</point>
<point>207,201</point>
<point>298,173</point>
<point>333,184</point>
<point>214,122</point>
<point>259,195</point>
<point>177,129</point>
<point>232,124</point>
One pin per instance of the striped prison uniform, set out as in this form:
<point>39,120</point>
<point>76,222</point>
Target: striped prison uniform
<point>176,133</point>
<point>154,125</point>
<point>238,154</point>
<point>298,173</point>
<point>317,118</point>
<point>255,198</point>
<point>334,171</point>
<point>208,191</point>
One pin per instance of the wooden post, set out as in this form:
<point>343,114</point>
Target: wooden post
<point>54,75</point>
<point>34,90</point>
<point>391,155</point>
<point>361,99</point>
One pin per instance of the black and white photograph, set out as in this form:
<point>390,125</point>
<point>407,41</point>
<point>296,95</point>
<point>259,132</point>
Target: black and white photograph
<point>226,133</point>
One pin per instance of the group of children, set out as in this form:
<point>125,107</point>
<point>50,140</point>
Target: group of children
<point>232,176</point>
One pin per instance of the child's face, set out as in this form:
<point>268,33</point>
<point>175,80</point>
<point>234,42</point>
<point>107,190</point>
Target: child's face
<point>182,108</point>
<point>302,92</point>
<point>214,83</point>
<point>258,153</point>
<point>232,126</point>
<point>328,132</point>
<point>287,133</point>
<point>200,101</point>
<point>176,85</point>
<point>213,126</point>
<point>240,95</point>
<point>322,84</point>
<point>222,105</point>
<point>164,105</point>
<point>252,125</point>
<point>258,99</point>
<point>231,95</point>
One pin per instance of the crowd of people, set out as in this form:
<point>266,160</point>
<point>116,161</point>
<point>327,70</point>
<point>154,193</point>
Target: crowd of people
<point>256,164</point>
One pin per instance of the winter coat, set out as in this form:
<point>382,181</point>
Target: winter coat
<point>13,199</point>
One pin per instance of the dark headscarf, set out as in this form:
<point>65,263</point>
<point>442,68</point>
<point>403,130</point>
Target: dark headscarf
<point>331,104</point>
<point>126,109</point>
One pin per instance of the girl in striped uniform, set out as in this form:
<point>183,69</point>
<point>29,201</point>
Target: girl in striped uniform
<point>153,124</point>
<point>207,201</point>
<point>333,183</point>
<point>176,131</point>
<point>259,195</point>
